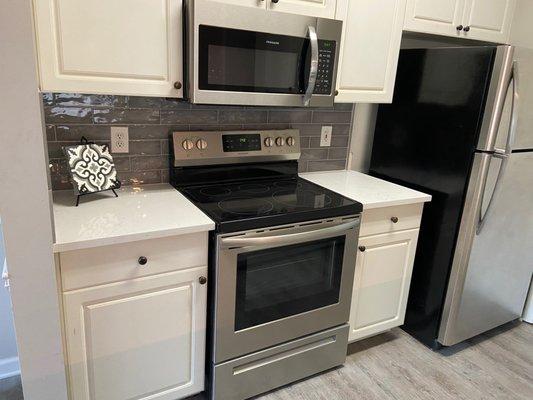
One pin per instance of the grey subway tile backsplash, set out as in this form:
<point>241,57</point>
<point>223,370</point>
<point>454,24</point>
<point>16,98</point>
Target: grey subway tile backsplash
<point>150,120</point>
<point>188,116</point>
<point>325,117</point>
<point>325,165</point>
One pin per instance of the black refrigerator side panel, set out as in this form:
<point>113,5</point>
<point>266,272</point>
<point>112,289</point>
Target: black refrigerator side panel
<point>426,140</point>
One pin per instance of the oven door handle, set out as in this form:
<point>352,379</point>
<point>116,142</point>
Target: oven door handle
<point>313,67</point>
<point>289,238</point>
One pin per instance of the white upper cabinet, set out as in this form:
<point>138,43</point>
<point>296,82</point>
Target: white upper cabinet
<point>473,19</point>
<point>314,8</point>
<point>488,20</point>
<point>434,16</point>
<point>128,47</point>
<point>370,46</point>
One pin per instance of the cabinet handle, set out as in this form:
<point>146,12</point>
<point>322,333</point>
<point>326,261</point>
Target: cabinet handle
<point>275,1</point>
<point>202,280</point>
<point>142,260</point>
<point>177,85</point>
<point>362,248</point>
<point>394,219</point>
<point>466,29</point>
<point>459,27</point>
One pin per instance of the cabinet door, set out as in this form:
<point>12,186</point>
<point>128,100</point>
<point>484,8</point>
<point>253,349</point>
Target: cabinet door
<point>313,8</point>
<point>440,17</point>
<point>368,55</point>
<point>128,47</point>
<point>138,339</point>
<point>489,20</point>
<point>381,285</point>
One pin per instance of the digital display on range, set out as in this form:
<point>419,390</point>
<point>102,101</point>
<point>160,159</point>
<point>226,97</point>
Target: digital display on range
<point>244,142</point>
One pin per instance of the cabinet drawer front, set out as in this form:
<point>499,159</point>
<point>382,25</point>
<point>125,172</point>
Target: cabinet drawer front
<point>96,266</point>
<point>381,220</point>
<point>268,369</point>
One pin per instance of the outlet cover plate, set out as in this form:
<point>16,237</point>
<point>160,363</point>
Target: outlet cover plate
<point>119,139</point>
<point>325,136</point>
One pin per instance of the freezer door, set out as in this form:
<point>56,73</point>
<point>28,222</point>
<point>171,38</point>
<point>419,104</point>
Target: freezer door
<point>493,126</point>
<point>492,266</point>
<point>523,72</point>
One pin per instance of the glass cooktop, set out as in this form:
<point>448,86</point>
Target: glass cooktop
<point>261,203</point>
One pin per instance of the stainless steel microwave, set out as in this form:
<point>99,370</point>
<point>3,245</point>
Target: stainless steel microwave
<point>254,56</point>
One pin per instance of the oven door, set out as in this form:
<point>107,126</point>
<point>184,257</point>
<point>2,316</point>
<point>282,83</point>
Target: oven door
<point>279,284</point>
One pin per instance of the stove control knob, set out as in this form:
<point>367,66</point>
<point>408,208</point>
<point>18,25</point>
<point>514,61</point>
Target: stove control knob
<point>187,144</point>
<point>290,141</point>
<point>201,144</point>
<point>269,142</point>
<point>280,141</point>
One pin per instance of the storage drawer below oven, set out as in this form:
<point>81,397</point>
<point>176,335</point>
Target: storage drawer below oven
<point>276,366</point>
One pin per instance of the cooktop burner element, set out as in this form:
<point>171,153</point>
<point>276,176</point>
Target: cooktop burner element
<point>254,188</point>
<point>246,206</point>
<point>302,198</point>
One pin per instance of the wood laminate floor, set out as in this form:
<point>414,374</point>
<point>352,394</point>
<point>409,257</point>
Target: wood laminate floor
<point>495,365</point>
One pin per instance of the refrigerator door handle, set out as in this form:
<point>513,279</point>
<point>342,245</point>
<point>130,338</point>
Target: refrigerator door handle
<point>503,154</point>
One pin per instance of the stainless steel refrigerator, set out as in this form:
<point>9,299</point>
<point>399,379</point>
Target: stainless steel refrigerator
<point>461,129</point>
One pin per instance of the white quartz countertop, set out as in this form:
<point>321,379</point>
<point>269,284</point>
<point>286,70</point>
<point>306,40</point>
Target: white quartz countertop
<point>145,212</point>
<point>371,192</point>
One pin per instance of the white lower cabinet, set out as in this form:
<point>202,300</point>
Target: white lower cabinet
<point>140,337</point>
<point>382,277</point>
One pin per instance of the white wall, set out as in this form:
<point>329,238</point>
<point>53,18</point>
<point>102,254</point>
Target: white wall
<point>25,209</point>
<point>9,364</point>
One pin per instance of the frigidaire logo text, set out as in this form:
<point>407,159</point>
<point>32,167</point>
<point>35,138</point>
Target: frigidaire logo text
<point>271,42</point>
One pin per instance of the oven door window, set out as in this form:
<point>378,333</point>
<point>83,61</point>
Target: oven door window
<point>245,61</point>
<point>284,281</point>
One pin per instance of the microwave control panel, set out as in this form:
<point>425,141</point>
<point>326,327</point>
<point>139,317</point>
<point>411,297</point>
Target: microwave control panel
<point>326,64</point>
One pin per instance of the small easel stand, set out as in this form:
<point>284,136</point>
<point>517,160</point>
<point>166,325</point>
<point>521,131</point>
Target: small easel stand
<point>84,194</point>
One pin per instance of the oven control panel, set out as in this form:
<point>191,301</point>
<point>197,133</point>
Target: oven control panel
<point>224,147</point>
<point>326,64</point>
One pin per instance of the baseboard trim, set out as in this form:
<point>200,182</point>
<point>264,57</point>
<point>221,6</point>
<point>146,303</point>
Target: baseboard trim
<point>9,367</point>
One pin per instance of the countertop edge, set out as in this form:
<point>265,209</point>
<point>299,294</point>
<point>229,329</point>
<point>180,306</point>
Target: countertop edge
<point>134,237</point>
<point>393,203</point>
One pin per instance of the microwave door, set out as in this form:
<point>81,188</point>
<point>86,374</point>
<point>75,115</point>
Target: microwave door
<point>234,60</point>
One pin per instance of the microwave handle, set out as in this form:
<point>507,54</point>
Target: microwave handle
<point>313,68</point>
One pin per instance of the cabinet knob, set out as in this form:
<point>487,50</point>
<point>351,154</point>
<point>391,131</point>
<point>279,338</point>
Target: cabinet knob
<point>142,260</point>
<point>362,248</point>
<point>459,27</point>
<point>336,92</point>
<point>177,85</point>
<point>202,280</point>
<point>466,29</point>
<point>275,1</point>
<point>394,219</point>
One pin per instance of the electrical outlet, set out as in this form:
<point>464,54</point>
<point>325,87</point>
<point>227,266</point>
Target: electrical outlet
<point>119,139</point>
<point>325,136</point>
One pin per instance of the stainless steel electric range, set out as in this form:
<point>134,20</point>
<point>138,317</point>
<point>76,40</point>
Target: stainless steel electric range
<point>282,259</point>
